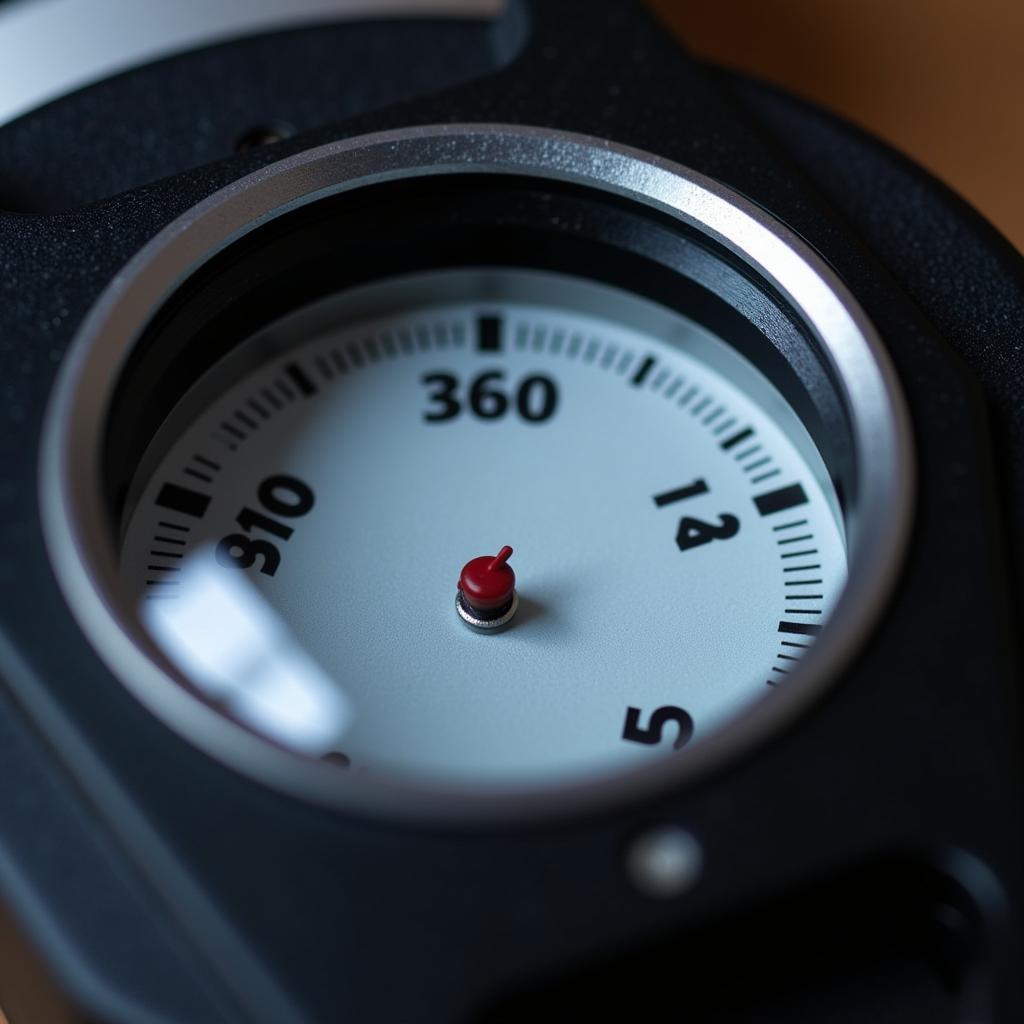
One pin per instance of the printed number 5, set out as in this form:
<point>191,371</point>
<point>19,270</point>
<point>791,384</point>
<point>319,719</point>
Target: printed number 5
<point>652,734</point>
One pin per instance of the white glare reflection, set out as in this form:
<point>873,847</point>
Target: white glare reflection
<point>227,640</point>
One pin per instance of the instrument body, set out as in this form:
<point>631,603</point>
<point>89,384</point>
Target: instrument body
<point>868,853</point>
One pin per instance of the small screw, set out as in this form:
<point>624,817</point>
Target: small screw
<point>664,861</point>
<point>264,135</point>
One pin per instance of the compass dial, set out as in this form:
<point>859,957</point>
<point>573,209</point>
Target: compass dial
<point>678,545</point>
<point>476,470</point>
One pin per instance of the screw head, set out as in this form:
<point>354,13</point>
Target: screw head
<point>664,861</point>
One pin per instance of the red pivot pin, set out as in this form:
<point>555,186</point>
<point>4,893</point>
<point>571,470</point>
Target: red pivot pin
<point>486,598</point>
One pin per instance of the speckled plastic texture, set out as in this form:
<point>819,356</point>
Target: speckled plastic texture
<point>965,277</point>
<point>295,913</point>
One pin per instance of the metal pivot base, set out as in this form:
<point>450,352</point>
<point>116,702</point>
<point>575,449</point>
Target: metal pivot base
<point>485,625</point>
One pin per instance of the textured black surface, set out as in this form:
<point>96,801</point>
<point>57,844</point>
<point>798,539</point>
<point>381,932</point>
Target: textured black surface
<point>913,760</point>
<point>847,953</point>
<point>966,278</point>
<point>117,956</point>
<point>199,107</point>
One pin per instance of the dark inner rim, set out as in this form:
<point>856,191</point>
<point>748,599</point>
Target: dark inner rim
<point>458,221</point>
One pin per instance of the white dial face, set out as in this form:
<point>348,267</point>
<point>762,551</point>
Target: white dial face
<point>297,531</point>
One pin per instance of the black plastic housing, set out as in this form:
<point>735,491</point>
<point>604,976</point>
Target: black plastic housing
<point>865,864</point>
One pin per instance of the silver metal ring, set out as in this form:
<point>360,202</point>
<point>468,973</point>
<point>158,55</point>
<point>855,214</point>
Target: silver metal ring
<point>74,511</point>
<point>485,625</point>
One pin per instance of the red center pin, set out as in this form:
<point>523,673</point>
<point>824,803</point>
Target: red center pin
<point>486,598</point>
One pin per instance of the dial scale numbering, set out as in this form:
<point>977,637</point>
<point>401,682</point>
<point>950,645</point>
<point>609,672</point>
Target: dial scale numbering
<point>678,542</point>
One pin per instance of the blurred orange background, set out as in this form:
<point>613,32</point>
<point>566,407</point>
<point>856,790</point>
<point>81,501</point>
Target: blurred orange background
<point>942,80</point>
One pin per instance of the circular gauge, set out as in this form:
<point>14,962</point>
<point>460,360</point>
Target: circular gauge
<point>678,543</point>
<point>476,468</point>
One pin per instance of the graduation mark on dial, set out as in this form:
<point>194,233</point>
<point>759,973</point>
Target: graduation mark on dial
<point>678,544</point>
